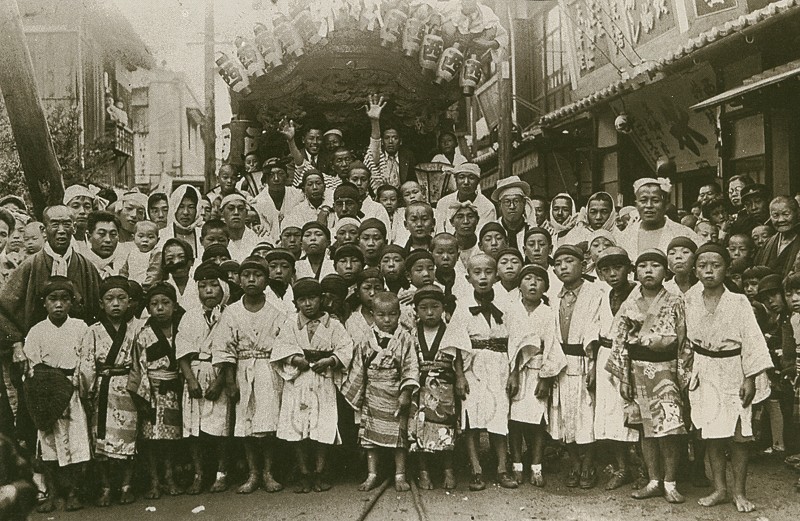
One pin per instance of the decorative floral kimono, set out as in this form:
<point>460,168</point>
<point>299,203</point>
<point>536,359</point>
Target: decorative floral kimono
<point>308,406</point>
<point>106,361</point>
<point>656,378</point>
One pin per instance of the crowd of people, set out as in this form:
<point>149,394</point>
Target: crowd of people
<point>319,302</point>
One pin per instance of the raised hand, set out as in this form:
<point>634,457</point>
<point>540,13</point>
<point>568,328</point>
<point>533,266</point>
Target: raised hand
<point>374,106</point>
<point>287,128</point>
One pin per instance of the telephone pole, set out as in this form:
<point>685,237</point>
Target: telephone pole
<point>211,121</point>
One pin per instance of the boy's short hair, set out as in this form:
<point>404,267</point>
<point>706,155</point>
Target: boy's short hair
<point>386,297</point>
<point>757,272</point>
<point>386,188</point>
<point>101,217</point>
<point>480,257</point>
<point>145,224</point>
<point>443,236</point>
<point>39,226</point>
<point>213,224</point>
<point>419,204</point>
<point>706,223</point>
<point>791,282</point>
<point>738,266</point>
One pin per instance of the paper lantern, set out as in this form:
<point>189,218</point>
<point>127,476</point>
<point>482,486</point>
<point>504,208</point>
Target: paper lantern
<point>289,38</point>
<point>392,27</point>
<point>412,36</point>
<point>431,49</point>
<point>269,48</point>
<point>470,75</point>
<point>449,64</point>
<point>306,27</point>
<point>250,58</point>
<point>230,72</point>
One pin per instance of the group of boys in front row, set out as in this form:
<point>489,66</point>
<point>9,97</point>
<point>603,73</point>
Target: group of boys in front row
<point>598,360</point>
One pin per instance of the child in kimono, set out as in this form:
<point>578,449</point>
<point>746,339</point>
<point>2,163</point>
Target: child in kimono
<point>281,266</point>
<point>432,420</point>
<point>393,268</point>
<point>421,271</point>
<point>477,337</point>
<point>728,373</point>
<point>154,382</point>
<point>311,352</point>
<point>206,409</point>
<point>241,348</point>
<point>577,309</point>
<point>52,353</point>
<point>105,366</point>
<point>384,374</point>
<point>536,359</point>
<point>450,273</point>
<point>613,267</point>
<point>649,359</point>
<point>509,264</point>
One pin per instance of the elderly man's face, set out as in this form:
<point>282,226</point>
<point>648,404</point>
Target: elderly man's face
<point>598,213</point>
<point>651,204</point>
<point>130,214</point>
<point>783,216</point>
<point>59,228</point>
<point>341,162</point>
<point>332,142</point>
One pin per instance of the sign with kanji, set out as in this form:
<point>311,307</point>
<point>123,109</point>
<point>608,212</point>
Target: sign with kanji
<point>707,7</point>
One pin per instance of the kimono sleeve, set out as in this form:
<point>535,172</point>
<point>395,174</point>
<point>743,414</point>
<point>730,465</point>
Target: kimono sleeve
<point>409,364</point>
<point>553,358</point>
<point>87,363</point>
<point>591,332</point>
<point>456,336</point>
<point>755,354</point>
<point>226,340</point>
<point>354,385</point>
<point>286,346</point>
<point>186,339</point>
<point>343,346</point>
<point>138,382</point>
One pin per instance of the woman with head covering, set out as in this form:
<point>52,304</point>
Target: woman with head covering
<point>176,265</point>
<point>562,218</point>
<point>183,220</point>
<point>598,214</point>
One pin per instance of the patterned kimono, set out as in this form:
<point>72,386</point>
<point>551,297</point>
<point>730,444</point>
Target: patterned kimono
<point>194,340</point>
<point>572,404</point>
<point>728,346</point>
<point>609,412</point>
<point>656,378</point>
<point>246,339</point>
<point>433,420</point>
<point>104,368</point>
<point>58,347</point>
<point>154,378</point>
<point>378,374</point>
<point>484,346</point>
<point>534,342</point>
<point>308,405</point>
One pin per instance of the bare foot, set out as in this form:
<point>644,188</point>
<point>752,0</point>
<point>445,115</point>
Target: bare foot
<point>743,504</point>
<point>400,483</point>
<point>369,483</point>
<point>126,496</point>
<point>220,484</point>
<point>154,492</point>
<point>270,485</point>
<point>173,489</point>
<point>73,502</point>
<point>46,506</point>
<point>197,485</point>
<point>424,481</point>
<point>249,486</point>
<point>105,498</point>
<point>320,484</point>
<point>715,498</point>
<point>303,485</point>
<point>449,479</point>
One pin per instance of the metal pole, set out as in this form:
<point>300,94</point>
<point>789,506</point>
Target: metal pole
<point>210,134</point>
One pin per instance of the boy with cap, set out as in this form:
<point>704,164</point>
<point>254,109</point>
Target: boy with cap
<point>393,268</point>
<point>383,376</point>
<point>345,231</point>
<point>104,368</point>
<point>613,268</point>
<point>292,239</point>
<point>311,353</point>
<point>241,348</point>
<point>371,240</point>
<point>477,337</point>
<point>334,291</point>
<point>419,223</point>
<point>281,273</point>
<point>728,373</point>
<point>433,421</point>
<point>154,382</point>
<point>315,263</point>
<point>206,408</point>
<point>492,239</point>
<point>52,352</point>
<point>680,261</point>
<point>577,308</point>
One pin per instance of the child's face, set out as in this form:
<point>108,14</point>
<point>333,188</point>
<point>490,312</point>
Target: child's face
<point>537,249</point>
<point>33,241</point>
<point>568,268</point>
<point>711,269</point>
<point>348,267</point>
<point>793,300</point>
<point>360,178</point>
<point>367,291</point>
<point>421,273</point>
<point>161,308</point>
<point>597,247</point>
<point>253,281</point>
<point>493,242</point>
<point>482,275</point>
<point>371,242</point>
<point>615,275</point>
<point>419,222</point>
<point>145,239</point>
<point>760,235</point>
<point>736,278</point>
<point>214,236</point>
<point>386,315</point>
<point>445,254</point>
<point>707,233</point>
<point>719,215</point>
<point>508,267</point>
<point>773,300</point>
<point>739,247</point>
<point>430,311</point>
<point>58,304</point>
<point>347,234</point>
<point>291,239</point>
<point>210,292</point>
<point>282,270</point>
<point>680,260</point>
<point>750,288</point>
<point>532,288</point>
<point>115,303</point>
<point>651,274</point>
<point>314,242</point>
<point>411,193</point>
<point>309,306</point>
<point>388,199</point>
<point>392,266</point>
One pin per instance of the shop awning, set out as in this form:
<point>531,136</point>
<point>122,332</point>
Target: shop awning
<point>788,71</point>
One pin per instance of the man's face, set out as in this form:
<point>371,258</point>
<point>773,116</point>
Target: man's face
<point>314,189</point>
<point>512,208</point>
<point>467,183</point>
<point>276,179</point>
<point>537,249</point>
<point>234,214</point>
<point>707,193</point>
<point>158,213</point>
<point>539,211</point>
<point>312,141</point>
<point>104,239</point>
<point>130,214</point>
<point>4,232</point>
<point>360,178</point>
<point>332,142</point>
<point>758,207</point>
<point>80,207</point>
<point>227,179</point>
<point>783,216</point>
<point>59,228</point>
<point>419,222</point>
<point>186,213</point>
<point>447,144</point>
<point>598,213</point>
<point>562,209</point>
<point>391,141</point>
<point>346,207</point>
<point>341,162</point>
<point>465,222</point>
<point>371,243</point>
<point>651,204</point>
<point>735,192</point>
<point>251,163</point>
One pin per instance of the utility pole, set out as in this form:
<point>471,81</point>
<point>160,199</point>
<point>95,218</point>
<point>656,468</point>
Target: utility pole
<point>25,112</point>
<point>210,137</point>
<point>504,127</point>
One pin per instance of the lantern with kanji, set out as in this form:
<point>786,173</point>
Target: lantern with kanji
<point>470,75</point>
<point>250,58</point>
<point>266,44</point>
<point>288,36</point>
<point>431,49</point>
<point>230,72</point>
<point>449,64</point>
<point>412,36</point>
<point>392,27</point>
<point>306,27</point>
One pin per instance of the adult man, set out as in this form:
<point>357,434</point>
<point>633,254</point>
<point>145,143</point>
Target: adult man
<point>655,229</point>
<point>755,199</point>
<point>80,201</point>
<point>242,238</point>
<point>781,249</point>
<point>105,251</point>
<point>468,177</point>
<point>736,185</point>
<point>332,140</point>
<point>708,192</point>
<point>511,195</point>
<point>599,214</point>
<point>131,210</point>
<point>313,206</point>
<point>359,176</point>
<point>305,160</point>
<point>386,159</point>
<point>227,176</point>
<point>277,200</point>
<point>562,218</point>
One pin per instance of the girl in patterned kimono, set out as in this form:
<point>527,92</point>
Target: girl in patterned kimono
<point>650,359</point>
<point>432,420</point>
<point>104,368</point>
<point>154,382</point>
<point>478,340</point>
<point>536,359</point>
<point>384,374</point>
<point>310,354</point>
<point>206,409</point>
<point>241,348</point>
<point>728,373</point>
